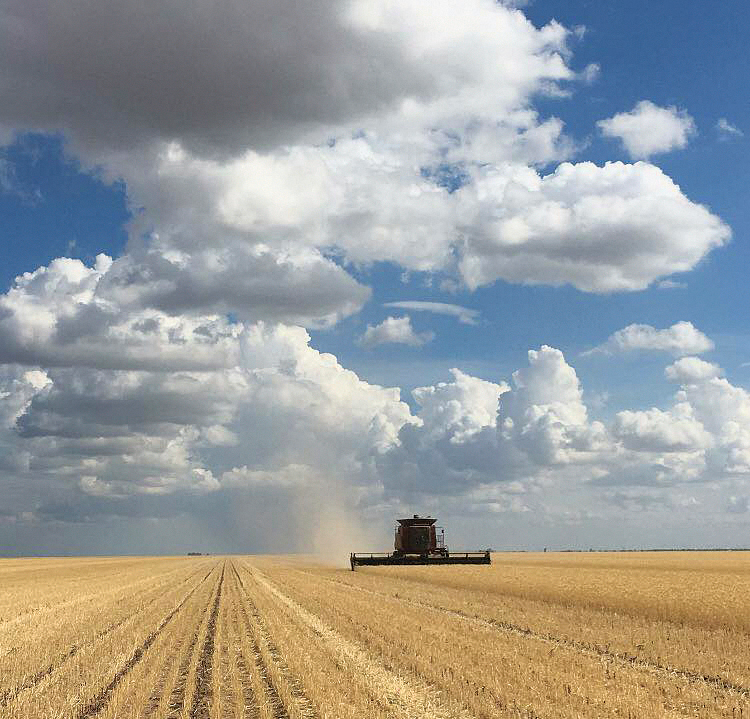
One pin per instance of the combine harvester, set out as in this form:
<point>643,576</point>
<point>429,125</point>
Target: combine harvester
<point>417,542</point>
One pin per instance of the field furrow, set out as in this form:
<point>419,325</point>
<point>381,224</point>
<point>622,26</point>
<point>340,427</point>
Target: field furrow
<point>203,692</point>
<point>182,686</point>
<point>170,664</point>
<point>273,681</point>
<point>250,684</point>
<point>224,678</point>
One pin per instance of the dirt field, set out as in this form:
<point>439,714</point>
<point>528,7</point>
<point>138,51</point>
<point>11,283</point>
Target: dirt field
<point>534,635</point>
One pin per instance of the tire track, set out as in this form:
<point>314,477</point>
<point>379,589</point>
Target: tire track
<point>249,699</point>
<point>289,684</point>
<point>13,693</point>
<point>261,667</point>
<point>203,693</point>
<point>411,699</point>
<point>176,702</point>
<point>622,658</point>
<point>154,699</point>
<point>101,700</point>
<point>157,694</point>
<point>225,665</point>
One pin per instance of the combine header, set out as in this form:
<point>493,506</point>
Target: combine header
<point>418,542</point>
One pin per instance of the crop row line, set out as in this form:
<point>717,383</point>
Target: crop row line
<point>203,676</point>
<point>12,693</point>
<point>99,702</point>
<point>395,690</point>
<point>573,644</point>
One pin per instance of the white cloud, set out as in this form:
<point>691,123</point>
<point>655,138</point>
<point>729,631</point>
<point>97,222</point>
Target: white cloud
<point>459,409</point>
<point>482,442</point>
<point>394,330</point>
<point>671,285</point>
<point>682,338</point>
<point>427,162</point>
<point>507,222</point>
<point>591,73</point>
<point>342,64</point>
<point>135,399</point>
<point>314,392</point>
<point>61,315</point>
<point>548,418</point>
<point>568,228</point>
<point>464,315</point>
<point>727,130</point>
<point>724,411</point>
<point>288,421</point>
<point>131,314</point>
<point>691,369</point>
<point>649,129</point>
<point>656,431</point>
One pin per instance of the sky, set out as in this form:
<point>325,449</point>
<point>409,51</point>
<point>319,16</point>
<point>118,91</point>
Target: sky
<point>276,273</point>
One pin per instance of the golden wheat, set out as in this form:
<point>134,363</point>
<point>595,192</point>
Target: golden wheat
<point>548,636</point>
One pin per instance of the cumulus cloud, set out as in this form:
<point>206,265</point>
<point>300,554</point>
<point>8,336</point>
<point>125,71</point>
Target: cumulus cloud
<point>131,314</point>
<point>464,315</point>
<point>498,447</point>
<point>649,129</point>
<point>157,433</point>
<point>57,316</point>
<point>682,338</point>
<point>459,409</point>
<point>286,423</point>
<point>506,222</point>
<point>252,282</point>
<point>235,94</point>
<point>568,228</point>
<point>691,369</point>
<point>427,164</point>
<point>394,330</point>
<point>342,63</point>
<point>546,413</point>
<point>656,431</point>
<point>724,409</point>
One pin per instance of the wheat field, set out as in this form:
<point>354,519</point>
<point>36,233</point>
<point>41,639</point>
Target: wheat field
<point>534,635</point>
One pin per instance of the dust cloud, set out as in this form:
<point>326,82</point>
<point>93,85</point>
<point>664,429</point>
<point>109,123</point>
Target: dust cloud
<point>339,531</point>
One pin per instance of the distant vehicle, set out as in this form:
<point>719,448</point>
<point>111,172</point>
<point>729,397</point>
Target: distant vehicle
<point>417,541</point>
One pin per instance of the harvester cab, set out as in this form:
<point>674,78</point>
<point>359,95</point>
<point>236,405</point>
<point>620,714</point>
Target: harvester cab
<point>419,541</point>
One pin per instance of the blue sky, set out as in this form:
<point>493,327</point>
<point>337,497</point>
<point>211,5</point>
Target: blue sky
<point>234,212</point>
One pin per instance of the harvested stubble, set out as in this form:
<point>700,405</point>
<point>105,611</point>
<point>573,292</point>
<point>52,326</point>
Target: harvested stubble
<point>536,636</point>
